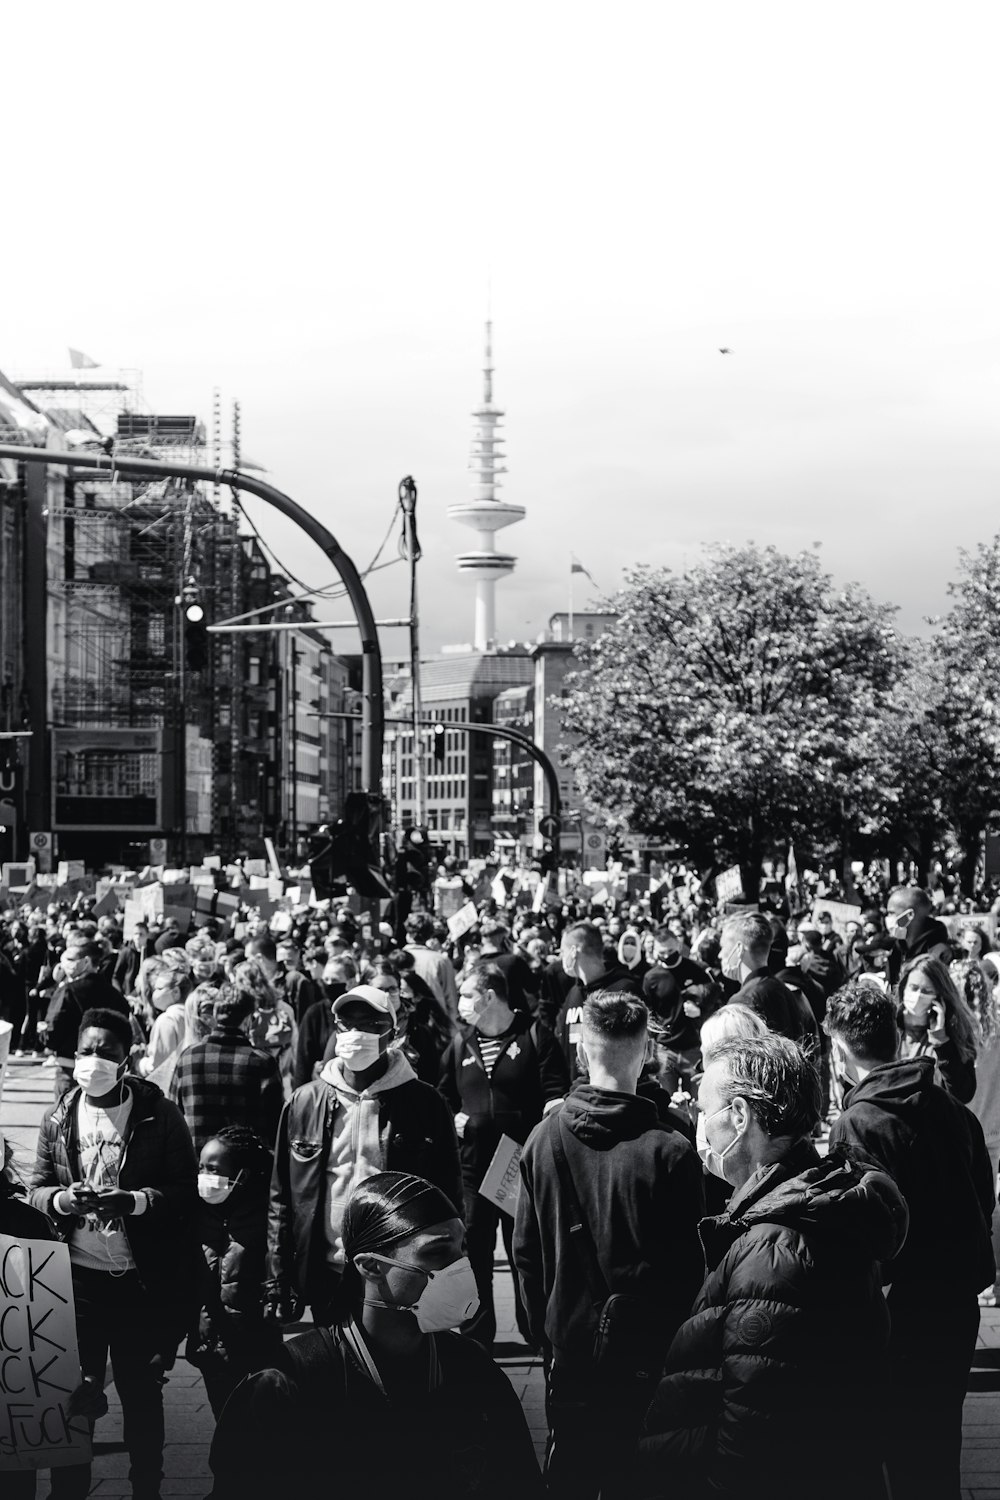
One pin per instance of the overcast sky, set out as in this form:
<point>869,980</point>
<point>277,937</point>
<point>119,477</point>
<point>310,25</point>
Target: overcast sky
<point>304,207</point>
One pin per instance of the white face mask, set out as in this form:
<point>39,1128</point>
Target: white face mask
<point>97,1076</point>
<point>449,1299</point>
<point>213,1188</point>
<point>358,1049</point>
<point>712,1160</point>
<point>730,961</point>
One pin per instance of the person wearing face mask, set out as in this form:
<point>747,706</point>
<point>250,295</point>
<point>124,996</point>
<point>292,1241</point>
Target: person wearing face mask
<point>786,1341</point>
<point>318,1024</point>
<point>607,1168</point>
<point>232,1337</point>
<point>388,1401</point>
<point>680,995</point>
<point>935,1022</point>
<point>745,950</point>
<point>116,1174</point>
<point>367,1112</point>
<point>897,1117</point>
<point>913,929</point>
<point>500,1075</point>
<point>82,989</point>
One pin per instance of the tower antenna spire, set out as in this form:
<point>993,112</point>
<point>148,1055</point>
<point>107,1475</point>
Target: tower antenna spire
<point>485,513</point>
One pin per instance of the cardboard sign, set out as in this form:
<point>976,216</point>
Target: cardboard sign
<point>39,1358</point>
<point>502,1183</point>
<point>729,885</point>
<point>70,869</point>
<point>463,921</point>
<point>984,920</point>
<point>134,912</point>
<point>842,912</point>
<point>272,859</point>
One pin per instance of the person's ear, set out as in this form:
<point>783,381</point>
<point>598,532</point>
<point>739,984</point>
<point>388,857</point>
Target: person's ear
<point>369,1268</point>
<point>740,1113</point>
<point>582,1060</point>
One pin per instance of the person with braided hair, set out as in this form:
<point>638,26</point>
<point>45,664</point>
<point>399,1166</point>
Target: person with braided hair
<point>232,1337</point>
<point>389,1401</point>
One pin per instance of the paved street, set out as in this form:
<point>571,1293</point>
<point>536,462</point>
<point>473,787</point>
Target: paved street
<point>189,1417</point>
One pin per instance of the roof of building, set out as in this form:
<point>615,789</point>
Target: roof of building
<point>471,674</point>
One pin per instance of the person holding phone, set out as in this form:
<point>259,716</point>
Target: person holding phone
<point>936,1022</point>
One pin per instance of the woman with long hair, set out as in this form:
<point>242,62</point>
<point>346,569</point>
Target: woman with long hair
<point>388,1401</point>
<point>935,1021</point>
<point>976,983</point>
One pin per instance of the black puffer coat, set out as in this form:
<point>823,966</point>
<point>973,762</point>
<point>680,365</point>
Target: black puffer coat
<point>773,1386</point>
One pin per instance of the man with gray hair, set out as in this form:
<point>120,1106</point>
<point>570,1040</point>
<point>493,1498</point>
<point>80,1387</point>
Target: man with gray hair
<point>786,1343</point>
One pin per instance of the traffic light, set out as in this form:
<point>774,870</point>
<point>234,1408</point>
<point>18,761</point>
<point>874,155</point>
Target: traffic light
<point>195,638</point>
<point>413,862</point>
<point>438,740</point>
<point>349,850</point>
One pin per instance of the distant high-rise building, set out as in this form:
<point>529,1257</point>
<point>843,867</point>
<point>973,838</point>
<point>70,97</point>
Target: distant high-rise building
<point>485,513</point>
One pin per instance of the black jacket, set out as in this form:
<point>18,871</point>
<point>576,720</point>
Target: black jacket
<point>665,990</point>
<point>641,1195</point>
<point>418,1131</point>
<point>783,1352</point>
<point>231,1331</point>
<point>772,1001</point>
<point>528,1074</point>
<point>158,1159</point>
<point>932,1147</point>
<point>316,1417</point>
<point>922,934</point>
<point>67,1007</point>
<point>316,1026</point>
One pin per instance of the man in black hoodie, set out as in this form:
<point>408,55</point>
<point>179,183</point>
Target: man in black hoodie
<point>896,1117</point>
<point>911,924</point>
<point>639,1193</point>
<point>82,989</point>
<point>582,955</point>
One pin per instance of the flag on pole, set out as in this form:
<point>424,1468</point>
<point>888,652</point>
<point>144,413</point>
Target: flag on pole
<point>80,361</point>
<point>577,567</point>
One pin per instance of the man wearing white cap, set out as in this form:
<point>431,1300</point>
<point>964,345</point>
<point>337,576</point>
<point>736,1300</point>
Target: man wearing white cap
<point>367,1112</point>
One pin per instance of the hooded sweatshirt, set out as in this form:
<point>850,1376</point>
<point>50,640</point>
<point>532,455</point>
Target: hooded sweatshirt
<point>356,1149</point>
<point>641,1193</point>
<point>899,1119</point>
<point>785,1343</point>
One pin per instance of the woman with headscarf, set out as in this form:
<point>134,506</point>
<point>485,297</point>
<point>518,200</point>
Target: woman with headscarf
<point>389,1401</point>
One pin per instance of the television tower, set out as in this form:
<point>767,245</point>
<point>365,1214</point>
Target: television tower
<point>485,513</point>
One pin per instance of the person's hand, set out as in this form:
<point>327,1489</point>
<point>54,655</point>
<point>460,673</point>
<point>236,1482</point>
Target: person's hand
<point>112,1203</point>
<point>937,1030</point>
<point>78,1198</point>
<point>88,1400</point>
<point>692,1009</point>
<point>280,1306</point>
<point>461,1120</point>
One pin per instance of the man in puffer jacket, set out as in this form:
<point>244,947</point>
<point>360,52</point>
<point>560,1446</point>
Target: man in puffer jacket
<point>775,1384</point>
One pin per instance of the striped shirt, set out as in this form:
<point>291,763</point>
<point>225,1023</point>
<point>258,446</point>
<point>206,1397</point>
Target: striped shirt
<point>490,1048</point>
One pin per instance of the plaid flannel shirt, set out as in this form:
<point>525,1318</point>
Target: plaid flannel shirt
<point>226,1081</point>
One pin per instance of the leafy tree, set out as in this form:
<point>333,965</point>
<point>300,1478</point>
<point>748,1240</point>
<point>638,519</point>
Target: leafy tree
<point>736,706</point>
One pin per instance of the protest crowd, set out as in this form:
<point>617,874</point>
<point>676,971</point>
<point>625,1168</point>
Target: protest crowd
<point>751,1147</point>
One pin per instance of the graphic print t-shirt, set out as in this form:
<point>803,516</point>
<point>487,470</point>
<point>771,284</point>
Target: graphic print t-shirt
<point>101,1135</point>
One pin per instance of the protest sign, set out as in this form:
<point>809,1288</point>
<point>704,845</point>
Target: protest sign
<point>39,1358</point>
<point>70,869</point>
<point>842,912</point>
<point>462,921</point>
<point>449,897</point>
<point>729,884</point>
<point>985,921</point>
<point>134,912</point>
<point>502,1182</point>
<point>272,859</point>
<point>105,905</point>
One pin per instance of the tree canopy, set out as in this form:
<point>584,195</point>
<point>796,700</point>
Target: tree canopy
<point>749,702</point>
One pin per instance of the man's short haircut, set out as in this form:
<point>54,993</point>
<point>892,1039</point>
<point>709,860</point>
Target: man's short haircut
<point>823,916</point>
<point>665,934</point>
<point>751,930</point>
<point>586,938</point>
<point>615,1015</point>
<point>486,975</point>
<point>108,1020</point>
<point>84,949</point>
<point>419,927</point>
<point>498,933</point>
<point>863,1017</point>
<point>777,1080</point>
<point>914,895</point>
<point>262,947</point>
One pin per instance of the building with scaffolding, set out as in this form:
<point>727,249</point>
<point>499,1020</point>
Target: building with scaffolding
<point>133,742</point>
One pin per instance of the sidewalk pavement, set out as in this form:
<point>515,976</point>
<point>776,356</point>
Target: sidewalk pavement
<point>189,1422</point>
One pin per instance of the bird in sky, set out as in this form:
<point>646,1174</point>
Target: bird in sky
<point>725,351</point>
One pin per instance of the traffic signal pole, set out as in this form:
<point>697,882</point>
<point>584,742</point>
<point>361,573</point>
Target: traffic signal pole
<point>373,717</point>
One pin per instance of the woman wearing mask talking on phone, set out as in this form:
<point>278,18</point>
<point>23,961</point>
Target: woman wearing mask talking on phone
<point>388,1401</point>
<point>936,1022</point>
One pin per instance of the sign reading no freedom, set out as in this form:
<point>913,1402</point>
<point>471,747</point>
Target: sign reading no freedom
<point>39,1360</point>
